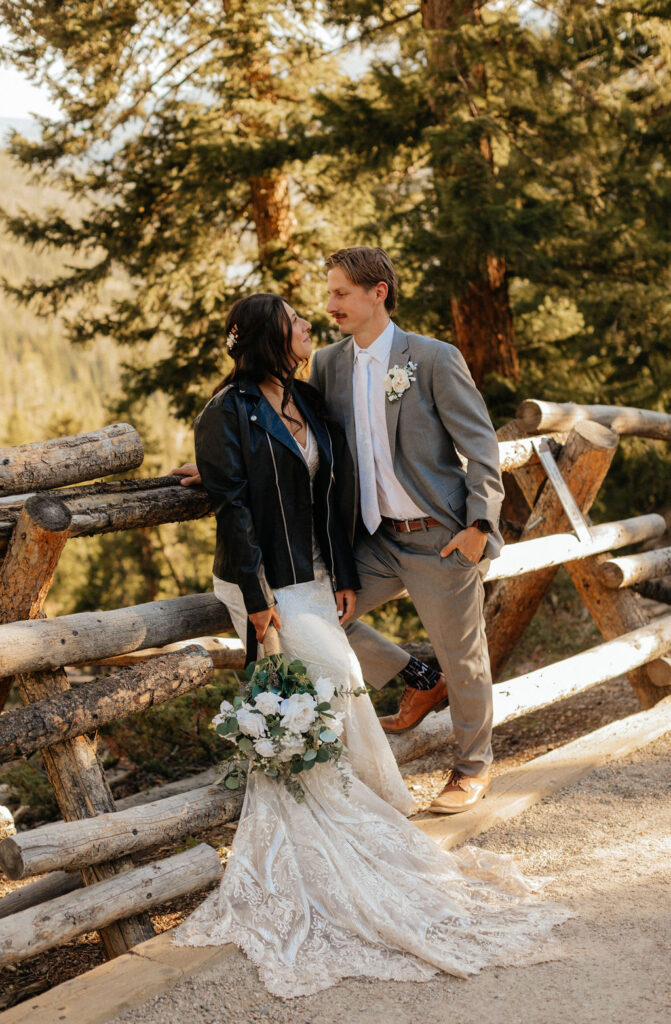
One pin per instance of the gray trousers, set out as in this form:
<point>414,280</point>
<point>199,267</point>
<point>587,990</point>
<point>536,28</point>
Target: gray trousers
<point>448,594</point>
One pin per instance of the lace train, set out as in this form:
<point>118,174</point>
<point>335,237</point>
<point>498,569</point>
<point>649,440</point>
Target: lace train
<point>344,886</point>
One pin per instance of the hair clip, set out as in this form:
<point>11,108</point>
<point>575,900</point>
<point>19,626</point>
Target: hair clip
<point>232,337</point>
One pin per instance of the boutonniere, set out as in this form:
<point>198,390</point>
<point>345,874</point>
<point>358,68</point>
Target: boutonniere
<point>398,380</point>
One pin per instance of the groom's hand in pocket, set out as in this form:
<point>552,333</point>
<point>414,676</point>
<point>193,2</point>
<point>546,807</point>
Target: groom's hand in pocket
<point>346,603</point>
<point>471,542</point>
<point>261,620</point>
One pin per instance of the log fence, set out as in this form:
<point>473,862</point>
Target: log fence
<point>169,647</point>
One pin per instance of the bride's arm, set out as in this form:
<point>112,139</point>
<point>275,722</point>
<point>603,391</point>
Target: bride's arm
<point>224,475</point>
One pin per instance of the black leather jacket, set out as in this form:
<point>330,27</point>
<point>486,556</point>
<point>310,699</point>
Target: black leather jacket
<point>259,486</point>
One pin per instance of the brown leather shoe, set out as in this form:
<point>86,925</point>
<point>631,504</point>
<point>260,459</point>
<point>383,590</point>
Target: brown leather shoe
<point>416,705</point>
<point>460,793</point>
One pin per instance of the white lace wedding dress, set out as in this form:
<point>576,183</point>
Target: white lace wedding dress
<point>343,885</point>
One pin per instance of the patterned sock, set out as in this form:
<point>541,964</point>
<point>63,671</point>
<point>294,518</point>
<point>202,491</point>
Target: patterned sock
<point>418,675</point>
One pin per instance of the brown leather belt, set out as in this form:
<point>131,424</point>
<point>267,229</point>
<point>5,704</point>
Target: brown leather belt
<point>411,525</point>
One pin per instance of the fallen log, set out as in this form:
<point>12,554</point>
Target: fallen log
<point>630,569</point>
<point>512,603</point>
<point>537,417</point>
<point>39,928</point>
<point>89,636</point>
<point>69,460</point>
<point>76,712</point>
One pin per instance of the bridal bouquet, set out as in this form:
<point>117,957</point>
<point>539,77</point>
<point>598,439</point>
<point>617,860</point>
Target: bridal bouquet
<point>283,724</point>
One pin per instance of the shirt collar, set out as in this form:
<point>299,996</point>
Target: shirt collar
<point>381,347</point>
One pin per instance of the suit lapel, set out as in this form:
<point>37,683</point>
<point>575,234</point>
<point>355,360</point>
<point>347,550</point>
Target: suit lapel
<point>398,355</point>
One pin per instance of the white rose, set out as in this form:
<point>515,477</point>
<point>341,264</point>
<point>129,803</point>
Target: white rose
<point>298,712</point>
<point>225,707</point>
<point>325,689</point>
<point>400,380</point>
<point>388,385</point>
<point>291,745</point>
<point>268,703</point>
<point>251,723</point>
<point>264,747</point>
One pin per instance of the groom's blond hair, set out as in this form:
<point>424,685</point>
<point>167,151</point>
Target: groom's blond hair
<point>366,266</point>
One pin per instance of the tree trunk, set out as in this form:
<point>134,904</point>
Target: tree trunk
<point>76,712</point>
<point>482,319</point>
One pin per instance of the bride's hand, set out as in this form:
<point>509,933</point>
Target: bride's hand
<point>189,472</point>
<point>261,620</point>
<point>346,602</point>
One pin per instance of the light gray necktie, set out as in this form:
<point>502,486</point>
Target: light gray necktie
<point>370,509</point>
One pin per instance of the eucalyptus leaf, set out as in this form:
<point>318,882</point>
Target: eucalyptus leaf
<point>327,736</point>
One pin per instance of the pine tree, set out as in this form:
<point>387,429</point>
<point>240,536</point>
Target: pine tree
<point>175,137</point>
<point>522,153</point>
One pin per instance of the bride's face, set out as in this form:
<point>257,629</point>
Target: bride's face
<point>301,345</point>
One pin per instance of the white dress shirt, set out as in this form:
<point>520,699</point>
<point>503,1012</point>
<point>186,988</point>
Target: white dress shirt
<point>393,501</point>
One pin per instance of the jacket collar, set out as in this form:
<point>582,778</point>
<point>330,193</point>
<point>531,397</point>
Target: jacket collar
<point>263,413</point>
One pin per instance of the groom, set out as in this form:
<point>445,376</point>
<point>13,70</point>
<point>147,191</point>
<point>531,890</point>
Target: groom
<point>424,522</point>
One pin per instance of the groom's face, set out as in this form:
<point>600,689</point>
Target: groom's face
<point>352,306</point>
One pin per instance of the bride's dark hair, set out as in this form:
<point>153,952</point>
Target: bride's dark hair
<point>258,337</point>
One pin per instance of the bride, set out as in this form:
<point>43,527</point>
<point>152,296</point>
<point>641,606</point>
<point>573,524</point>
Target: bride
<point>340,884</point>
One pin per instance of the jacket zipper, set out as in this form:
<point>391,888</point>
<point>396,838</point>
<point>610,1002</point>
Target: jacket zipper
<point>279,493</point>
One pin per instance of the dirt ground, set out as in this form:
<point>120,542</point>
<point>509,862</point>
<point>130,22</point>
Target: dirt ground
<point>606,841</point>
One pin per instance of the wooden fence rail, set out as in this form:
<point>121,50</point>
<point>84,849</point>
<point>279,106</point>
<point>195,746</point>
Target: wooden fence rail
<point>94,844</point>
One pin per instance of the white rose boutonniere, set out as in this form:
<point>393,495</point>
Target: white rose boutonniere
<point>398,380</point>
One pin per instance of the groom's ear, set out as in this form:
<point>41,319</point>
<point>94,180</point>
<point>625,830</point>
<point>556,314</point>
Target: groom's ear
<point>381,291</point>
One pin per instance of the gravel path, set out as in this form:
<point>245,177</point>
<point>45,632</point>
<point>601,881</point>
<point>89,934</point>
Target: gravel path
<point>607,842</point>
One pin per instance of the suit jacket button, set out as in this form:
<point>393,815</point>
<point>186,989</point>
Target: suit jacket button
<point>252,417</point>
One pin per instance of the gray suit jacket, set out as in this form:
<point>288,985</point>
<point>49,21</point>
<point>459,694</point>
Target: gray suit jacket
<point>441,412</point>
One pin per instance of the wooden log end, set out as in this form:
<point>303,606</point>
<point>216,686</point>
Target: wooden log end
<point>11,858</point>
<point>596,434</point>
<point>49,513</point>
<point>610,574</point>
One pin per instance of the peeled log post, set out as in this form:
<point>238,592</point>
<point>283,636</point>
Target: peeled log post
<point>89,636</point>
<point>33,931</point>
<point>624,572</point>
<point>75,773</point>
<point>75,844</point>
<point>618,612</point>
<point>40,534</point>
<point>76,712</point>
<point>69,460</point>
<point>511,604</point>
<point>536,417</point>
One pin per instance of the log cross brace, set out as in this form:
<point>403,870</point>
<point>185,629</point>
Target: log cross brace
<point>568,502</point>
